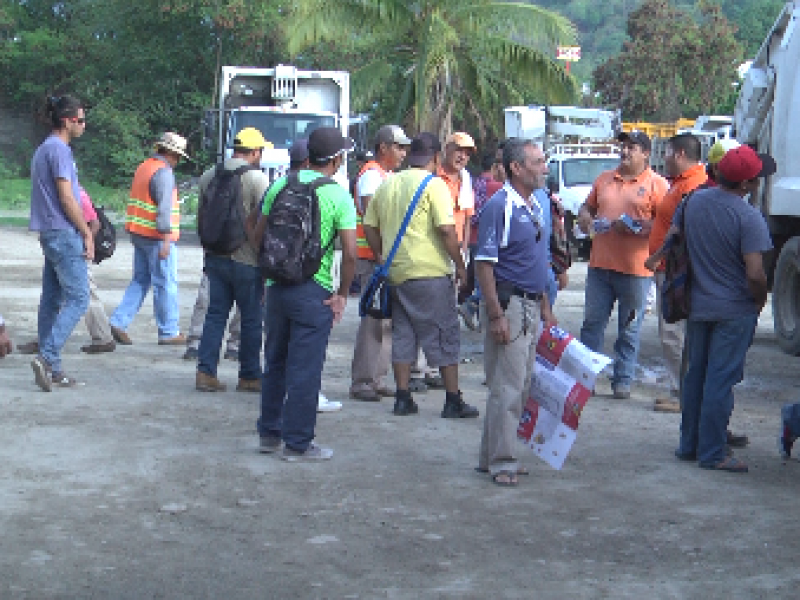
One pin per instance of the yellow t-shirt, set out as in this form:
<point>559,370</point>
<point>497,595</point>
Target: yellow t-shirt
<point>421,253</point>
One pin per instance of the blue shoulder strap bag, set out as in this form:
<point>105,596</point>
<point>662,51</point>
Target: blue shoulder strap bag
<point>376,300</point>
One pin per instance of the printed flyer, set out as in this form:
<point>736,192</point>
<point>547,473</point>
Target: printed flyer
<point>563,379</point>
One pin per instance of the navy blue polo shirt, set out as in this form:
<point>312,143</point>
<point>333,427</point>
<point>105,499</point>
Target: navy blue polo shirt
<point>512,236</point>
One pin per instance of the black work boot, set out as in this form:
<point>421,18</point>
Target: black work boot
<point>456,408</point>
<point>404,404</point>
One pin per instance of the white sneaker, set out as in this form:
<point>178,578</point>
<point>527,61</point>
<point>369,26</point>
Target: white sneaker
<point>312,453</point>
<point>325,405</point>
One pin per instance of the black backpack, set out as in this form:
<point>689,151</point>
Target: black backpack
<point>105,240</point>
<point>220,216</point>
<point>291,249</point>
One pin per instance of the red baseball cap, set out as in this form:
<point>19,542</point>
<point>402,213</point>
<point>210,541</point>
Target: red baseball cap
<point>742,164</point>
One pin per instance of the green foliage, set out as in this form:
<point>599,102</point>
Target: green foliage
<point>601,25</point>
<point>148,66</point>
<point>434,63</point>
<point>672,66</point>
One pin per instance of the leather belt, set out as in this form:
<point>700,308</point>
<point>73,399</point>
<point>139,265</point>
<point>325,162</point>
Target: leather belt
<point>535,296</point>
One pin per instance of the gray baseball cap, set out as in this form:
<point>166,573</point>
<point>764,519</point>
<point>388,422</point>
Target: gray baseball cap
<point>391,134</point>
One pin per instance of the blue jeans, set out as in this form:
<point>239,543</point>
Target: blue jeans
<point>230,281</point>
<point>162,274</point>
<point>603,288</point>
<point>65,291</point>
<point>297,327</point>
<point>716,351</point>
<point>790,415</point>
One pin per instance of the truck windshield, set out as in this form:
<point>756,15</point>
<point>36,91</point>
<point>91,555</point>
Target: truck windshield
<point>583,171</point>
<point>282,129</point>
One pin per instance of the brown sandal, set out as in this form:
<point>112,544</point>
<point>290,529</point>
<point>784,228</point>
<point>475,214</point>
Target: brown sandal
<point>505,479</point>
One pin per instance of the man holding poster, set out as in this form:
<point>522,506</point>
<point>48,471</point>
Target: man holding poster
<point>511,267</point>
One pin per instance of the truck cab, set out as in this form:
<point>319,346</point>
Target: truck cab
<point>580,143</point>
<point>572,175</point>
<point>284,103</point>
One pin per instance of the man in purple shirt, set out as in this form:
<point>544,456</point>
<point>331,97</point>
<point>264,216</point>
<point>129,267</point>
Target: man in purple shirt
<point>65,239</point>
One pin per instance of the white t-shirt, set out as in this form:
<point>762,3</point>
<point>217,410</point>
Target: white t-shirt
<point>366,185</point>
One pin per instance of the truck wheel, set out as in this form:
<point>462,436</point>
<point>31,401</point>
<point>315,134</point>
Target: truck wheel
<point>786,297</point>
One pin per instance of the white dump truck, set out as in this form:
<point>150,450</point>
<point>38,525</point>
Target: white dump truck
<point>767,118</point>
<point>580,143</point>
<point>284,103</point>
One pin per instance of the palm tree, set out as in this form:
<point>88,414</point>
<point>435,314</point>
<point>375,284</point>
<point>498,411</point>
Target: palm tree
<point>434,59</point>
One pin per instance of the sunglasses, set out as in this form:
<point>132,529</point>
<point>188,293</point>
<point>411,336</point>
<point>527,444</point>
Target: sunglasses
<point>80,120</point>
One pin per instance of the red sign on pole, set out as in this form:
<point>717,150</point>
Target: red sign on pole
<point>568,53</point>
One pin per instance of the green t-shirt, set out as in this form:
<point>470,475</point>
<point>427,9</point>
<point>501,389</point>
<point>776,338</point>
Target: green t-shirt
<point>337,211</point>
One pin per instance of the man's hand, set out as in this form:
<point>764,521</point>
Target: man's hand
<point>584,220</point>
<point>94,226</point>
<point>163,252</point>
<point>5,342</point>
<point>563,280</point>
<point>88,246</point>
<point>337,304</point>
<point>461,277</point>
<point>548,317</point>
<point>652,262</point>
<point>500,330</point>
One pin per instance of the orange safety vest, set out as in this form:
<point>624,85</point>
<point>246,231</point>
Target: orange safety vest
<point>142,211</point>
<point>361,241</point>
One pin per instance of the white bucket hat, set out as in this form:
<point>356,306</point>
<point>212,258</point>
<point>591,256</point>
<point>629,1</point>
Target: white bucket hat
<point>172,142</point>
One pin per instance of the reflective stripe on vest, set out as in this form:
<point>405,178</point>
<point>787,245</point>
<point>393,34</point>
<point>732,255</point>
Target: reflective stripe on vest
<point>362,247</point>
<point>142,211</point>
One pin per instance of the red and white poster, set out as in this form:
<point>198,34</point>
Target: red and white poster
<point>561,385</point>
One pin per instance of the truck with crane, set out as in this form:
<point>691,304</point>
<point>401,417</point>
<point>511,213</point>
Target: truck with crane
<point>580,143</point>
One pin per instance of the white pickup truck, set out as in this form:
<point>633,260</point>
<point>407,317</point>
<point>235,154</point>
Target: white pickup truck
<point>580,143</point>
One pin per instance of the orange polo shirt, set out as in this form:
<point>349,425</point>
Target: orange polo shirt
<point>611,196</point>
<point>460,215</point>
<point>689,180</point>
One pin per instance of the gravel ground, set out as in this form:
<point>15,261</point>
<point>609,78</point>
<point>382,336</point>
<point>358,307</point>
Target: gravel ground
<point>137,486</point>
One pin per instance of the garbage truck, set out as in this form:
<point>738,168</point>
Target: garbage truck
<point>767,118</point>
<point>284,103</point>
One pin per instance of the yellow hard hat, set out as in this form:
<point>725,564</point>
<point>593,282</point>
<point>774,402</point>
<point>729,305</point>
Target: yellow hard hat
<point>720,149</point>
<point>250,138</point>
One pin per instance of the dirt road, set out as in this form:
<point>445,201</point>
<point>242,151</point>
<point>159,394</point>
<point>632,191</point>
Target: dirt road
<point>137,486</point>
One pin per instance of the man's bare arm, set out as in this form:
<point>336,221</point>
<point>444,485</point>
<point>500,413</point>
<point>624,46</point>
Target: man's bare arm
<point>756,277</point>
<point>374,242</point>
<point>72,209</point>
<point>451,245</point>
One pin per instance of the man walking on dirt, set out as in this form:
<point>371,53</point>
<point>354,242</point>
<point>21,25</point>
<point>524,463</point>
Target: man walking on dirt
<point>299,317</point>
<point>616,267</point>
<point>683,166</point>
<point>726,239</point>
<point>153,220</point>
<point>424,313</point>
<point>512,267</point>
<point>236,277</point>
<point>373,347</point>
<point>65,238</point>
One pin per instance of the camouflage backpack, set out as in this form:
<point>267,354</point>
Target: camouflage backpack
<point>291,249</point>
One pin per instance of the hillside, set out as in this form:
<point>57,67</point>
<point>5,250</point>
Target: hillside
<point>602,24</point>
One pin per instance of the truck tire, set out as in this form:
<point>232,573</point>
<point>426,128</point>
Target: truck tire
<point>786,297</point>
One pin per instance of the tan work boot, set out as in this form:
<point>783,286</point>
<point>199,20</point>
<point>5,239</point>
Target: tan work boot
<point>667,405</point>
<point>249,385</point>
<point>178,340</point>
<point>208,383</point>
<point>120,336</point>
